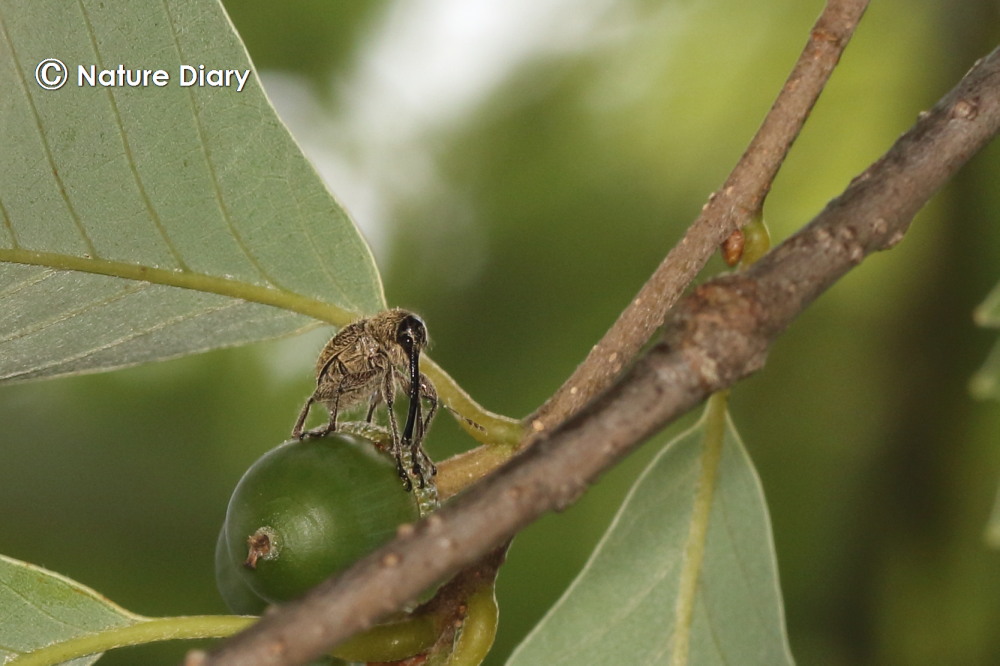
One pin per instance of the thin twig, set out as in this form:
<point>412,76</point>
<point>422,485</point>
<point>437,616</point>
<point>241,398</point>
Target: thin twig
<point>728,209</point>
<point>714,337</point>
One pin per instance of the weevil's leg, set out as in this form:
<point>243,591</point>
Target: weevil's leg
<point>413,431</point>
<point>425,466</point>
<point>299,422</point>
<point>331,425</point>
<point>387,390</point>
<point>334,409</point>
<point>424,462</point>
<point>428,393</point>
<point>372,404</point>
<point>387,395</point>
<point>417,456</point>
<point>423,469</point>
<point>416,430</point>
<point>425,390</point>
<point>323,394</point>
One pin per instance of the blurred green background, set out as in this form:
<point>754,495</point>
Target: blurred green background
<point>519,169</point>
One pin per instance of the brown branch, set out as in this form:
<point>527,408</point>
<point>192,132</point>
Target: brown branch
<point>728,209</point>
<point>714,337</point>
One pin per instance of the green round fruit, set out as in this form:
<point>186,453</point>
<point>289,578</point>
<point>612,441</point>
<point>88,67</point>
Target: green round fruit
<point>304,511</point>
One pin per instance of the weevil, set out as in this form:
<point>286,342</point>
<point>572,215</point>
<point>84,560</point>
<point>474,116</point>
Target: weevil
<point>368,360</point>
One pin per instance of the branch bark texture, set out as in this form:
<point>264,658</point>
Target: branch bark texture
<point>728,209</point>
<point>714,337</point>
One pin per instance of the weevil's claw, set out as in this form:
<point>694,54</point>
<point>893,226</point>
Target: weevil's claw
<point>404,476</point>
<point>321,431</point>
<point>424,469</point>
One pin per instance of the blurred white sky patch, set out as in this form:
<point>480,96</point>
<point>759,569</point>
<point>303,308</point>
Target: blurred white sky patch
<point>430,62</point>
<point>425,65</point>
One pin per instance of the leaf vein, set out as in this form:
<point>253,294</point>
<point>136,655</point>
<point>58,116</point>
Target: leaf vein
<point>46,148</point>
<point>15,287</point>
<point>8,225</point>
<point>66,315</point>
<point>147,202</point>
<point>217,190</point>
<point>318,255</point>
<point>131,335</point>
<point>27,602</point>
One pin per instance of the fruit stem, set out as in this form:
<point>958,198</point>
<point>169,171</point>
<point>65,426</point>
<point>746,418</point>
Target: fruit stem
<point>478,630</point>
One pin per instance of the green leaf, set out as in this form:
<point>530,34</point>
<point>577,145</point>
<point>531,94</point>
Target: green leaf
<point>46,618</point>
<point>686,572</point>
<point>39,608</point>
<point>141,223</point>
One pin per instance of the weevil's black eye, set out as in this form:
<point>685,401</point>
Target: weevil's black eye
<point>411,333</point>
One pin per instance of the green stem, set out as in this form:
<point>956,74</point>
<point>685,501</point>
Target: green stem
<point>390,642</point>
<point>145,630</point>
<point>479,629</point>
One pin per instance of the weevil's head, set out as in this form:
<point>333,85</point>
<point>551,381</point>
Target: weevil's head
<point>401,333</point>
<point>411,333</point>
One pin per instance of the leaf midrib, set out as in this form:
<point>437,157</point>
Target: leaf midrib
<point>265,295</point>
